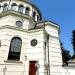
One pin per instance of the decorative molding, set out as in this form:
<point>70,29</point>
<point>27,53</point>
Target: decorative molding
<point>12,61</point>
<point>20,29</point>
<point>15,13</point>
<point>55,37</point>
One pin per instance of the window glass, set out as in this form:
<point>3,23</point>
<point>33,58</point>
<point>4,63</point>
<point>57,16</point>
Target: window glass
<point>5,7</point>
<point>19,24</point>
<point>13,7</point>
<point>34,14</point>
<point>38,17</point>
<point>0,7</point>
<point>15,49</point>
<point>27,11</point>
<point>21,9</point>
<point>34,42</point>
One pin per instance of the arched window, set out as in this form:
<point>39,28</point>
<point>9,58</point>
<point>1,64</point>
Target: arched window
<point>15,49</point>
<point>21,8</point>
<point>34,14</point>
<point>0,7</point>
<point>27,10</point>
<point>13,6</point>
<point>38,17</point>
<point>5,7</point>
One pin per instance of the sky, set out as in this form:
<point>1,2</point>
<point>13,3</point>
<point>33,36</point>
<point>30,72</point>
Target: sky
<point>61,12</point>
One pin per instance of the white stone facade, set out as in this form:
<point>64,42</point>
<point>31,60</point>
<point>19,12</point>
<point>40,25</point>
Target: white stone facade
<point>47,52</point>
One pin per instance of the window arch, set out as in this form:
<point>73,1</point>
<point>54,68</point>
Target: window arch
<point>0,7</point>
<point>27,11</point>
<point>5,7</point>
<point>14,6</point>
<point>21,8</point>
<point>15,49</point>
<point>38,17</point>
<point>34,14</point>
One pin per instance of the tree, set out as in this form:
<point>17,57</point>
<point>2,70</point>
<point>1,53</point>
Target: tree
<point>73,41</point>
<point>65,54</point>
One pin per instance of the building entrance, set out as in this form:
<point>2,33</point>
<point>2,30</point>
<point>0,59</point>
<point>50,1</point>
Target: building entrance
<point>32,67</point>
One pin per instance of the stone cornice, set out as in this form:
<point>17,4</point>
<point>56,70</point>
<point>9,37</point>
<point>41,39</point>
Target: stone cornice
<point>50,23</point>
<point>15,13</point>
<point>20,29</point>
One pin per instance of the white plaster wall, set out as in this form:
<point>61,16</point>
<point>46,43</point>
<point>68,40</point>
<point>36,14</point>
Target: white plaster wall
<point>13,68</point>
<point>33,53</point>
<point>36,53</point>
<point>11,21</point>
<point>69,70</point>
<point>55,56</point>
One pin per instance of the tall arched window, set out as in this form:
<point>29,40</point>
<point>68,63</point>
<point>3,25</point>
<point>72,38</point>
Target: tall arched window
<point>21,8</point>
<point>13,6</point>
<point>15,49</point>
<point>0,7</point>
<point>5,7</point>
<point>38,18</point>
<point>34,14</point>
<point>27,10</point>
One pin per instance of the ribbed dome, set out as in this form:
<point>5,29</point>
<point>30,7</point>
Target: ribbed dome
<point>25,7</point>
<point>18,0</point>
<point>26,0</point>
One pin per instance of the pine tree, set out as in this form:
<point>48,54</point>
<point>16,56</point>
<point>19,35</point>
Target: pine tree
<point>73,42</point>
<point>65,54</point>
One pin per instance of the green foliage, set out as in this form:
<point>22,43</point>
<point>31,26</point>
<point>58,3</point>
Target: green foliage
<point>73,41</point>
<point>65,54</point>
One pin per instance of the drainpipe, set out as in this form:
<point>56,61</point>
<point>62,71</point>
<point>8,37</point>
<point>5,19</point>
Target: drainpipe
<point>46,48</point>
<point>48,54</point>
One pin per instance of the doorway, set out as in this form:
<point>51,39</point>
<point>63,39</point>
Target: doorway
<point>32,67</point>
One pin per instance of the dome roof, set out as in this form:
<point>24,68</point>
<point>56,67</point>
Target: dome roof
<point>30,2</point>
<point>33,7</point>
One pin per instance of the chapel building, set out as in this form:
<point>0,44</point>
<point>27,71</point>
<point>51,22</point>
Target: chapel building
<point>28,45</point>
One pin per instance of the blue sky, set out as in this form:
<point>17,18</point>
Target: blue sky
<point>61,12</point>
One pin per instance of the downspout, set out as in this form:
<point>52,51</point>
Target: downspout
<point>46,48</point>
<point>48,53</point>
<point>46,73</point>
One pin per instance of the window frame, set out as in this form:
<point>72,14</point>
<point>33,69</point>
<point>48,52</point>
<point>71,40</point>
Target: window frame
<point>19,25</point>
<point>34,14</point>
<point>14,53</point>
<point>27,11</point>
<point>20,8</point>
<point>0,7</point>
<point>14,6</point>
<point>5,7</point>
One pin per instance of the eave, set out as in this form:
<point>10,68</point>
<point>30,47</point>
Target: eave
<point>15,13</point>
